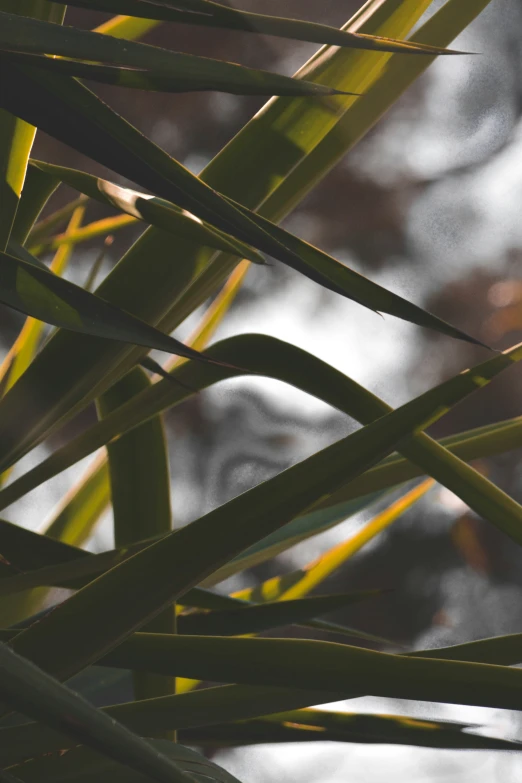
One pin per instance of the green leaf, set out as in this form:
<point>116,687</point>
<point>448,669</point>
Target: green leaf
<point>254,619</point>
<point>315,573</point>
<point>16,136</point>
<point>321,666</point>
<point>43,295</point>
<point>70,112</point>
<point>38,188</point>
<point>81,508</point>
<point>77,633</point>
<point>364,729</point>
<point>310,261</point>
<point>16,140</point>
<point>18,251</point>
<point>157,212</point>
<point>289,535</point>
<point>145,279</point>
<point>29,551</point>
<point>29,690</point>
<point>502,650</point>
<point>298,144</point>
<point>140,493</point>
<point>279,360</point>
<point>163,79</point>
<point>299,725</point>
<point>24,348</point>
<point>209,14</point>
<point>181,71</point>
<point>440,29</point>
<point>300,582</point>
<point>23,550</point>
<point>81,766</point>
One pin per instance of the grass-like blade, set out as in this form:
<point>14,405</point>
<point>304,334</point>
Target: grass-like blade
<point>297,584</point>
<point>321,666</point>
<point>140,495</point>
<point>157,715</point>
<point>80,765</point>
<point>27,689</point>
<point>306,258</point>
<point>19,34</point>
<point>23,350</point>
<point>500,650</point>
<point>157,212</point>
<point>43,295</point>
<point>16,139</point>
<point>254,178</point>
<point>290,364</point>
<point>254,619</point>
<point>400,731</point>
<point>75,633</point>
<point>220,17</point>
<point>81,508</point>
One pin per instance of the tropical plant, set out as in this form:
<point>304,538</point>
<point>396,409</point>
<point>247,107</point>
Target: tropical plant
<point>147,609</point>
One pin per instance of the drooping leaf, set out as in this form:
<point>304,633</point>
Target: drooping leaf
<point>75,633</point>
<point>272,357</point>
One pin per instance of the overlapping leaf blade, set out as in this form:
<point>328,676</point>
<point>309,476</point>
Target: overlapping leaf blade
<point>287,363</point>
<point>157,715</point>
<point>177,562</point>
<point>252,182</point>
<point>308,260</point>
<point>27,689</point>
<point>211,14</point>
<point>82,766</point>
<point>19,34</point>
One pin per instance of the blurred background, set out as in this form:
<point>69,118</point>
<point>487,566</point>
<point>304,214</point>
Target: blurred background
<point>428,205</point>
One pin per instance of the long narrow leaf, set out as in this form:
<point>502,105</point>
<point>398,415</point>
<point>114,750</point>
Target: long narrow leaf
<point>255,177</point>
<point>25,346</point>
<point>296,726</point>
<point>154,211</point>
<point>254,619</point>
<point>16,138</point>
<point>80,765</point>
<point>210,14</point>
<point>297,584</point>
<point>27,689</point>
<point>75,635</point>
<point>287,363</point>
<point>308,260</point>
<point>140,494</point>
<point>183,71</point>
<point>49,298</point>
